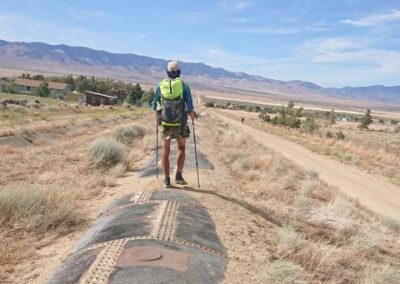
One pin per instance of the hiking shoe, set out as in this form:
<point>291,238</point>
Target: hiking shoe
<point>167,182</point>
<point>179,179</point>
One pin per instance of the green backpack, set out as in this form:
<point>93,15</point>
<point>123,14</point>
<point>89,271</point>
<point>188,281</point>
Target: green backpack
<point>172,103</point>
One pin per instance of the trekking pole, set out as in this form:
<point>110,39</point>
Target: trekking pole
<point>156,146</point>
<point>195,152</point>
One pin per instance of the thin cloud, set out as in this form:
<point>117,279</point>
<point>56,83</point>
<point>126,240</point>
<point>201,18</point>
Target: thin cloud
<point>375,20</point>
<point>351,52</point>
<point>278,31</point>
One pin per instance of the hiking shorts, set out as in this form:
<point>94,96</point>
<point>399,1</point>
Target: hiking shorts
<point>175,132</point>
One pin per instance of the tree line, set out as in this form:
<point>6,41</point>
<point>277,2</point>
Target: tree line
<point>125,92</point>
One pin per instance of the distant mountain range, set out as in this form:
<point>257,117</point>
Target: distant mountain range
<point>42,57</point>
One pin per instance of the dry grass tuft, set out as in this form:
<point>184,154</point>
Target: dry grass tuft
<point>302,201</point>
<point>366,240</point>
<point>118,171</point>
<point>280,167</point>
<point>390,223</point>
<point>37,208</point>
<point>343,206</point>
<point>285,272</point>
<point>105,152</point>
<point>288,237</point>
<point>129,134</point>
<point>381,274</point>
<point>308,185</point>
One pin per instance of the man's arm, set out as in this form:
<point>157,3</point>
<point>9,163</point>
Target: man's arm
<point>156,99</point>
<point>187,95</point>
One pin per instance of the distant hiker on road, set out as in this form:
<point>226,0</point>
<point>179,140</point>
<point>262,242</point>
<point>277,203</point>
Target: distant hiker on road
<point>173,103</point>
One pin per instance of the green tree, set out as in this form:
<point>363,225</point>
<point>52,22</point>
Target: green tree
<point>287,116</point>
<point>26,76</point>
<point>43,89</point>
<point>38,77</point>
<point>332,117</point>
<point>148,97</point>
<point>264,116</point>
<point>366,120</point>
<point>70,81</point>
<point>299,112</point>
<point>310,125</point>
<point>10,87</point>
<point>135,94</point>
<point>82,84</point>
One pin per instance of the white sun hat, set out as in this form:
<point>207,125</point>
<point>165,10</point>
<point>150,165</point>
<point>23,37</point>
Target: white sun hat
<point>173,66</point>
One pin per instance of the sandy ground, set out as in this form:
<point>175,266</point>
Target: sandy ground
<point>378,195</point>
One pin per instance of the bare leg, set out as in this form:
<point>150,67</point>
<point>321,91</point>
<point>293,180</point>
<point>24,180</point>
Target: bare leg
<point>166,147</point>
<point>181,156</point>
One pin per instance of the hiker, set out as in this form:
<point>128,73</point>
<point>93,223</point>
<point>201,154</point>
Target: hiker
<point>242,120</point>
<point>173,104</point>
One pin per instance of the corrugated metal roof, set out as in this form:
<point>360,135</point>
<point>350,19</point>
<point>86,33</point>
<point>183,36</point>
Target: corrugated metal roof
<point>101,95</point>
<point>35,83</point>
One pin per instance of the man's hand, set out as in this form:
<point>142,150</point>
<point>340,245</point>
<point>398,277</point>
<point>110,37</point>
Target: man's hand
<point>193,115</point>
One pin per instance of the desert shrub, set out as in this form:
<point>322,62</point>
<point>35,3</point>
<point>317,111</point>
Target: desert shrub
<point>288,236</point>
<point>344,156</point>
<point>254,174</point>
<point>310,125</point>
<point>233,154</point>
<point>287,117</point>
<point>285,272</point>
<point>37,208</point>
<point>381,274</point>
<point>243,164</point>
<point>340,135</point>
<point>390,223</point>
<point>209,104</point>
<point>129,134</point>
<point>105,152</point>
<point>311,174</point>
<point>394,122</point>
<point>264,116</point>
<point>329,134</point>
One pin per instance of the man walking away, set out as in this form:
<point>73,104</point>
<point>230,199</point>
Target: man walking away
<point>173,103</point>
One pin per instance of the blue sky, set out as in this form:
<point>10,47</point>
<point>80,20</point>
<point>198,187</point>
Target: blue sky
<point>332,43</point>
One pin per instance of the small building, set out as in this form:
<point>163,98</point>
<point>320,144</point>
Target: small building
<point>97,99</point>
<point>76,97</point>
<point>29,87</point>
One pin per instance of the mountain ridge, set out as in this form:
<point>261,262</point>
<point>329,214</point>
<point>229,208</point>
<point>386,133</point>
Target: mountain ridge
<point>83,60</point>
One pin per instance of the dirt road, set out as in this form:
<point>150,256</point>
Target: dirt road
<point>376,194</point>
